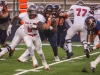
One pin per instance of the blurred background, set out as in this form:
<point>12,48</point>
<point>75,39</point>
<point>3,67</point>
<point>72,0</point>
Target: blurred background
<point>17,6</point>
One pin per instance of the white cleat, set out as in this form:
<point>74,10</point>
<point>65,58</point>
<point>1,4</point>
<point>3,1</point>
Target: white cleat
<point>46,66</point>
<point>22,60</point>
<point>56,58</point>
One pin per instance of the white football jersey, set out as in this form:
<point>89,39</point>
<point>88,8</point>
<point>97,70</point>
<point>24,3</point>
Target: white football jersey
<point>80,13</point>
<point>97,14</point>
<point>28,22</point>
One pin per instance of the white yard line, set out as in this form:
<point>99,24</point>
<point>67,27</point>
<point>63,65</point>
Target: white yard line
<point>47,44</point>
<point>53,64</point>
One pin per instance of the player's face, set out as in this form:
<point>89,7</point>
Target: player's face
<point>91,27</point>
<point>32,14</point>
<point>54,11</point>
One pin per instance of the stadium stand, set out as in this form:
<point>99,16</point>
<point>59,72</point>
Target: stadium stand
<point>44,2</point>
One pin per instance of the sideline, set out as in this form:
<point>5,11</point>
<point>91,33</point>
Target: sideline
<point>25,71</point>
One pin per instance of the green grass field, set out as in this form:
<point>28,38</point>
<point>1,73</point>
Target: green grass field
<point>72,66</point>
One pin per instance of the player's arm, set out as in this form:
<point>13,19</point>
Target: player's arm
<point>10,26</point>
<point>39,26</point>
<point>4,15</point>
<point>48,23</point>
<point>90,37</point>
<point>68,21</point>
<point>53,26</point>
<point>15,18</point>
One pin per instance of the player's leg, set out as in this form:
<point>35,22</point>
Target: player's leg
<point>96,40</point>
<point>25,56</point>
<point>53,42</point>
<point>62,42</point>
<point>28,41</point>
<point>70,33</point>
<point>16,40</point>
<point>38,46</point>
<point>83,36</point>
<point>3,38</point>
<point>94,63</point>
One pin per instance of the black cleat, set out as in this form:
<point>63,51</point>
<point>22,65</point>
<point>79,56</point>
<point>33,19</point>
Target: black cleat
<point>87,53</point>
<point>11,52</point>
<point>93,69</point>
<point>69,55</point>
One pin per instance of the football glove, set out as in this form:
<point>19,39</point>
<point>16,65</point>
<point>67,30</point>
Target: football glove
<point>9,30</point>
<point>89,48</point>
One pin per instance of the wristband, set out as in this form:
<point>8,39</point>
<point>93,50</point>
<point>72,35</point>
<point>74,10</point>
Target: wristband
<point>10,26</point>
<point>51,27</point>
<point>34,26</point>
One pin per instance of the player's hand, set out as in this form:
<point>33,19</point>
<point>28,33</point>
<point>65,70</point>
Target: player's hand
<point>89,48</point>
<point>9,30</point>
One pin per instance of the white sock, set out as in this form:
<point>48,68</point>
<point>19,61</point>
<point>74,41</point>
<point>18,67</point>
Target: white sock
<point>69,47</point>
<point>97,61</point>
<point>84,44</point>
<point>34,60</point>
<point>41,54</point>
<point>3,52</point>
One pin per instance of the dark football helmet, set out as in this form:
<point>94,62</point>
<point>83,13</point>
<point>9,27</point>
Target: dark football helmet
<point>48,9</point>
<point>40,10</point>
<point>90,22</point>
<point>56,9</point>
<point>92,7</point>
<point>80,2</point>
<point>32,11</point>
<point>3,2</point>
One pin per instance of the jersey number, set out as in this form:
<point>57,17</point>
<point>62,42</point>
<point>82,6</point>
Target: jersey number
<point>81,10</point>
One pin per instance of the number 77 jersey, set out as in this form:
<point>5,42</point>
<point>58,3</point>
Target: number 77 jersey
<point>80,13</point>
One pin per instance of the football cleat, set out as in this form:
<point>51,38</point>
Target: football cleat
<point>22,60</point>
<point>11,52</point>
<point>56,58</point>
<point>69,55</point>
<point>35,66</point>
<point>35,63</point>
<point>46,66</point>
<point>87,53</point>
<point>92,69</point>
<point>93,66</point>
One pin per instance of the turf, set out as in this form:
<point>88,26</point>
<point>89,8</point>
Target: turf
<point>72,67</point>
